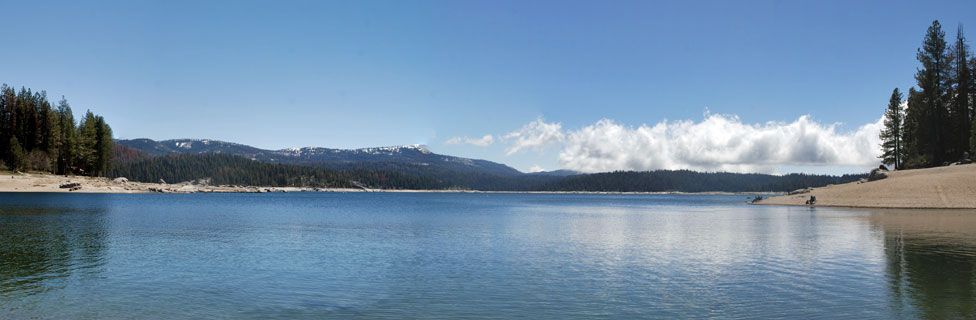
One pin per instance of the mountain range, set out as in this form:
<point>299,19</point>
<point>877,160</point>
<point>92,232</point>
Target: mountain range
<point>378,157</point>
<point>414,166</point>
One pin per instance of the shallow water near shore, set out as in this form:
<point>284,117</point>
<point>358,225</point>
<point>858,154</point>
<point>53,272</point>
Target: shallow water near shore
<point>451,255</point>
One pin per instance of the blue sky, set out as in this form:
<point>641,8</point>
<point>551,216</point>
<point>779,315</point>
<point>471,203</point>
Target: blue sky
<point>375,73</point>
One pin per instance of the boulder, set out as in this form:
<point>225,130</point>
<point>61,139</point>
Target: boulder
<point>877,174</point>
<point>161,181</point>
<point>120,180</point>
<point>882,167</point>
<point>69,185</point>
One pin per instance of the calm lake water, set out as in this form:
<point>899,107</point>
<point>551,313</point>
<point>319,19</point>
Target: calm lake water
<point>432,255</point>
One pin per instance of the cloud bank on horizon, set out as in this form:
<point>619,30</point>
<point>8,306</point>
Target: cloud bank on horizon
<point>717,143</point>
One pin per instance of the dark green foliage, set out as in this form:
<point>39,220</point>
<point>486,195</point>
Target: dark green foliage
<point>961,90</point>
<point>891,133</point>
<point>49,138</point>
<point>15,158</point>
<point>463,180</point>
<point>940,123</point>
<point>691,181</point>
<point>103,146</point>
<point>932,81</point>
<point>912,155</point>
<point>224,169</point>
<point>67,137</point>
<point>972,107</point>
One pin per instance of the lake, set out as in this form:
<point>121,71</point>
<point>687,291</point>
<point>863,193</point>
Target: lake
<point>462,255</point>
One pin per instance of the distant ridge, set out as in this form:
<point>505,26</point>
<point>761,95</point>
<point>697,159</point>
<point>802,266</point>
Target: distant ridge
<point>410,158</point>
<point>414,165</point>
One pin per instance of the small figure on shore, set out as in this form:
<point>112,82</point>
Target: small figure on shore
<point>812,201</point>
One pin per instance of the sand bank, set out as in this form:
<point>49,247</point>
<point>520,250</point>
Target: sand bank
<point>40,182</point>
<point>941,187</point>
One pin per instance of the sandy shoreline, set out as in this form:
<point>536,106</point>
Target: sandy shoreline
<point>41,182</point>
<point>951,187</point>
<point>933,188</point>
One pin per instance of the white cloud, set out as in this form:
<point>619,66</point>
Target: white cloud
<point>535,135</point>
<point>718,143</point>
<point>485,141</point>
<point>536,168</point>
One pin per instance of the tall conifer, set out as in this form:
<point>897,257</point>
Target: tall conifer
<point>931,134</point>
<point>891,134</point>
<point>961,97</point>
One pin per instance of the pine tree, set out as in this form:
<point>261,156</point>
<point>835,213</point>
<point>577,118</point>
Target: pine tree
<point>85,156</point>
<point>931,135</point>
<point>103,146</point>
<point>6,117</point>
<point>16,157</point>
<point>962,89</point>
<point>891,134</point>
<point>912,155</point>
<point>972,110</point>
<point>68,141</point>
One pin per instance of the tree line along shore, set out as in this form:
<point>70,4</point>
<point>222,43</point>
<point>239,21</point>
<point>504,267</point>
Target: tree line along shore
<point>936,125</point>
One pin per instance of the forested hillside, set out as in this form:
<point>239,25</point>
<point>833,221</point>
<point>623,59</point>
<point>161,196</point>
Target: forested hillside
<point>223,169</point>
<point>691,181</point>
<point>383,158</point>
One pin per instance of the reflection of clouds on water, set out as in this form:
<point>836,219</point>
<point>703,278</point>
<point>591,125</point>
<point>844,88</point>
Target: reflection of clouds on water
<point>314,255</point>
<point>931,261</point>
<point>725,257</point>
<point>723,235</point>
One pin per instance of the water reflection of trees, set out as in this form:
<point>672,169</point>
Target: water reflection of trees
<point>931,262</point>
<point>39,246</point>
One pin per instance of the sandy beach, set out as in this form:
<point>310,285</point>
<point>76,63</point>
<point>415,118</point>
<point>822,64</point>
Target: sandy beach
<point>41,182</point>
<point>933,188</point>
<point>947,187</point>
